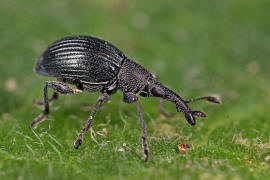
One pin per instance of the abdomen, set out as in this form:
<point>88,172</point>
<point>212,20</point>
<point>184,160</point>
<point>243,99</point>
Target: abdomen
<point>83,58</point>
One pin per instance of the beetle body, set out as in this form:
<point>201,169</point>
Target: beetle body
<point>89,61</point>
<point>95,65</point>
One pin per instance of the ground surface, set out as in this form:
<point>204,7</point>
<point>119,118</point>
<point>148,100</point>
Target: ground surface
<point>197,47</point>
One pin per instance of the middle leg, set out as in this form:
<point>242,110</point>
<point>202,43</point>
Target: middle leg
<point>101,100</point>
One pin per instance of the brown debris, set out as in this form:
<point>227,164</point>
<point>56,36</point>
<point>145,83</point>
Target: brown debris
<point>104,131</point>
<point>183,147</point>
<point>253,67</point>
<point>11,84</point>
<point>262,145</point>
<point>77,91</point>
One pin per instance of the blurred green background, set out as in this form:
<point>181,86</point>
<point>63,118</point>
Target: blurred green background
<point>197,48</point>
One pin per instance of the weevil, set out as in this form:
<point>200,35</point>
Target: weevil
<point>94,65</point>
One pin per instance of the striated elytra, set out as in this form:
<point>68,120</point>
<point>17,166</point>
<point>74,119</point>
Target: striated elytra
<point>95,65</point>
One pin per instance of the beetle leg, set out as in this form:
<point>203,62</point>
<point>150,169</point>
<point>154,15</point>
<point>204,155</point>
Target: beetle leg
<point>53,98</point>
<point>101,100</point>
<point>207,98</point>
<point>161,110</point>
<point>130,98</point>
<point>144,141</point>
<point>58,87</point>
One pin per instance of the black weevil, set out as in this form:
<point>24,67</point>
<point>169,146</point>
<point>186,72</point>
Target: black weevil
<point>95,65</point>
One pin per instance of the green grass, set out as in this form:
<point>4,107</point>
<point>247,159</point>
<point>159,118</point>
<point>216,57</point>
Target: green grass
<point>197,48</point>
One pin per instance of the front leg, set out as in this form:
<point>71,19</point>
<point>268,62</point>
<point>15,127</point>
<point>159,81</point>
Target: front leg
<point>161,110</point>
<point>207,98</point>
<point>130,98</point>
<point>58,87</point>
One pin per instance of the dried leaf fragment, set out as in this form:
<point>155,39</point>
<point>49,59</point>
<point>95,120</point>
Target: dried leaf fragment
<point>183,147</point>
<point>104,131</point>
<point>11,84</point>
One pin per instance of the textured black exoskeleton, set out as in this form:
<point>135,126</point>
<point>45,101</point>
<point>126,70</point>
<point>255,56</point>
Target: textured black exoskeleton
<point>95,65</point>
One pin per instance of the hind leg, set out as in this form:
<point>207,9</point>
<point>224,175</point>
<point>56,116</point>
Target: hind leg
<point>58,87</point>
<point>53,98</point>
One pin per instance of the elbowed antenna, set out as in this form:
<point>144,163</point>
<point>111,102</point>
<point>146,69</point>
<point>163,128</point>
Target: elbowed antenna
<point>159,90</point>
